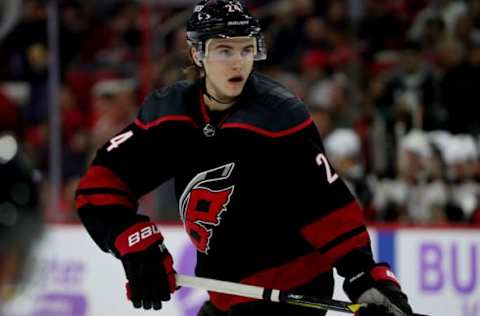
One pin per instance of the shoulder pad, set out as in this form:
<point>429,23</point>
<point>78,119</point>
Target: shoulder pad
<point>269,109</point>
<point>268,87</point>
<point>166,105</point>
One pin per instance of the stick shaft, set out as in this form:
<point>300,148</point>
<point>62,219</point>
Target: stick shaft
<point>225,287</point>
<point>261,293</point>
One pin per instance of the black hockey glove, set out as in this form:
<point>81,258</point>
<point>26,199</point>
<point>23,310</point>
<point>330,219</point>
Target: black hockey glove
<point>148,265</point>
<point>380,290</point>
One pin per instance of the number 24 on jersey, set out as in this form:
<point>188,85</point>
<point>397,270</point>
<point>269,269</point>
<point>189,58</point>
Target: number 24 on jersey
<point>322,160</point>
<point>119,139</point>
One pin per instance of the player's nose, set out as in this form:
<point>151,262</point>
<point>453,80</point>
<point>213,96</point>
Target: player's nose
<point>238,62</point>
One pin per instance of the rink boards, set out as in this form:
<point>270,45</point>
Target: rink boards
<point>438,268</point>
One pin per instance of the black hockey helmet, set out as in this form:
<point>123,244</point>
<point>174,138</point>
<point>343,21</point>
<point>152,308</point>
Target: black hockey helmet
<point>223,19</point>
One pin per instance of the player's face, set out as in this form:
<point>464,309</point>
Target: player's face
<point>228,63</point>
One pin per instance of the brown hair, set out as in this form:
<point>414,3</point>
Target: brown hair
<point>193,72</point>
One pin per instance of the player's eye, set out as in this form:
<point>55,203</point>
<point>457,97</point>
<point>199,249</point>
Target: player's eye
<point>248,51</point>
<point>225,52</point>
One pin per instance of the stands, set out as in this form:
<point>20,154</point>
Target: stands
<point>401,75</point>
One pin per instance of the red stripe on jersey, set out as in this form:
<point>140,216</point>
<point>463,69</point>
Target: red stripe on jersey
<point>103,200</point>
<point>335,224</point>
<point>100,178</point>
<point>286,277</point>
<point>164,119</point>
<point>224,302</point>
<point>270,134</point>
<point>347,246</point>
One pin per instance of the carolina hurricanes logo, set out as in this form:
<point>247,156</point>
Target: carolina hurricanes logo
<point>201,205</point>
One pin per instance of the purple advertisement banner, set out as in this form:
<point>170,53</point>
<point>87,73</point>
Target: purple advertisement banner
<point>440,270</point>
<point>434,274</point>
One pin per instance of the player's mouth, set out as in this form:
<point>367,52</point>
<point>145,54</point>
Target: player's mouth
<point>236,79</point>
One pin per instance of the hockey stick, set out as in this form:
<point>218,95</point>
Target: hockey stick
<point>261,293</point>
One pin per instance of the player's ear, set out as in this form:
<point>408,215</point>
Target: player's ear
<point>195,58</point>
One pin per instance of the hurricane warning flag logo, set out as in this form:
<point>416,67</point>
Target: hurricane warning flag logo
<point>202,203</point>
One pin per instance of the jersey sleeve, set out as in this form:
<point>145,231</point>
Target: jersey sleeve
<point>131,164</point>
<point>334,223</point>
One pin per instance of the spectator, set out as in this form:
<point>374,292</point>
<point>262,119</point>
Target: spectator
<point>114,105</point>
<point>114,42</point>
<point>74,25</point>
<point>284,39</point>
<point>446,10</point>
<point>344,149</point>
<point>171,66</point>
<point>459,93</point>
<point>378,30</point>
<point>412,197</point>
<point>461,156</point>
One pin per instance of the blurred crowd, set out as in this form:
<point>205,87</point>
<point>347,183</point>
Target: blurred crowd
<point>393,86</point>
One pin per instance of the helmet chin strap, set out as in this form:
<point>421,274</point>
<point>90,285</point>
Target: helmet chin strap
<point>211,97</point>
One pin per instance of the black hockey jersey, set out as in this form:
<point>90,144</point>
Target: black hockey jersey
<point>257,195</point>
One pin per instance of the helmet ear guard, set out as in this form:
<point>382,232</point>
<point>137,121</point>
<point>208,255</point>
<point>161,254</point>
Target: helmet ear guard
<point>261,53</point>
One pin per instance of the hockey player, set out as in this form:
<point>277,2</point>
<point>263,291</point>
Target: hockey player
<point>257,195</point>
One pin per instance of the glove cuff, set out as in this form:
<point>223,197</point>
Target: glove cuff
<point>381,272</point>
<point>354,286</point>
<point>138,237</point>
